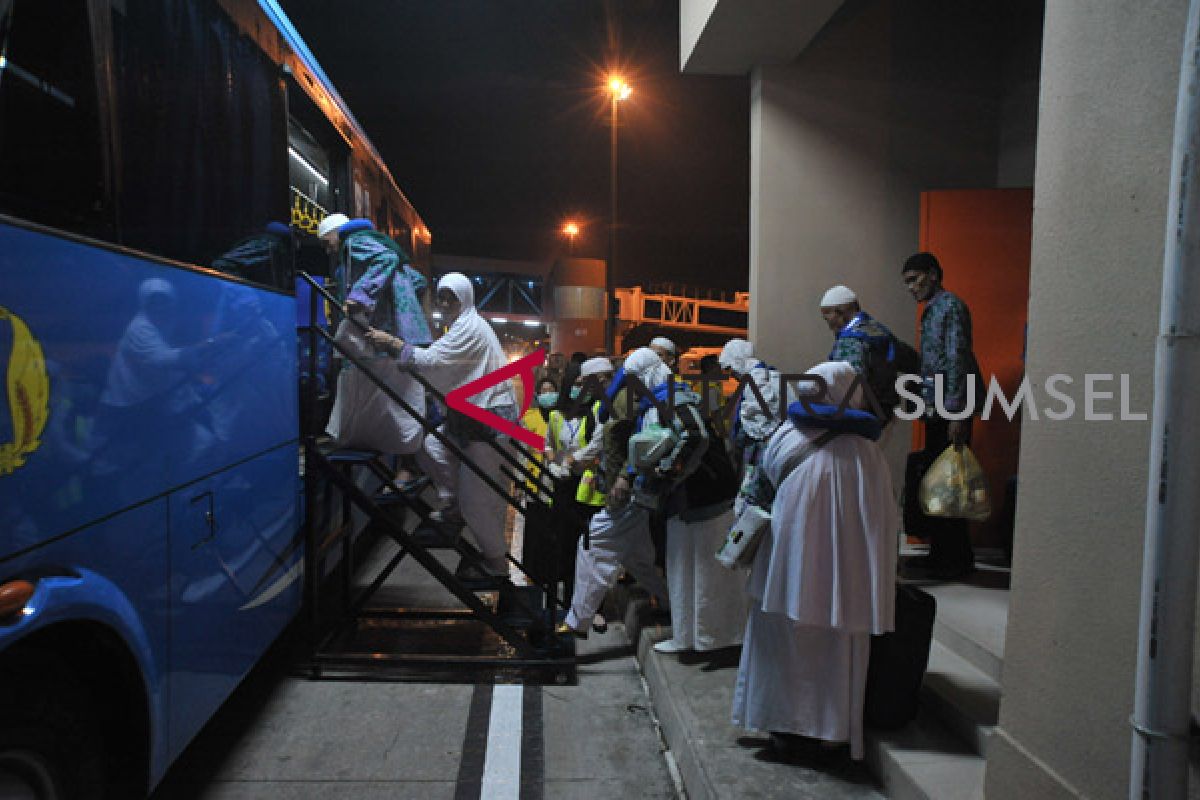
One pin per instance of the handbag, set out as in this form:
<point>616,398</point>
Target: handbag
<point>741,543</point>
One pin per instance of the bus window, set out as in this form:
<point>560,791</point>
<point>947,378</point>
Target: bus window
<point>309,175</point>
<point>202,118</point>
<point>51,168</point>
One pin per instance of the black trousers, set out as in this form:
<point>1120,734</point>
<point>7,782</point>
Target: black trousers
<point>949,538</point>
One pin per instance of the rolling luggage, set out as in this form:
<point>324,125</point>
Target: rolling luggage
<point>898,661</point>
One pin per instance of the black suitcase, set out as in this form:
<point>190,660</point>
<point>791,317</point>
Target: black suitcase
<point>898,661</point>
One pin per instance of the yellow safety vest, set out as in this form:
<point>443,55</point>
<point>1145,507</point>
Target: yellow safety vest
<point>587,494</point>
<point>534,421</point>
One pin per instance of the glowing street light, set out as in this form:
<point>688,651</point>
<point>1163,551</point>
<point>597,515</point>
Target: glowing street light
<point>618,90</point>
<point>570,229</point>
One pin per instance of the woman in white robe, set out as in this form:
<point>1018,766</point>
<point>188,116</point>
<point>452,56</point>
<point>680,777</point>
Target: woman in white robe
<point>821,584</point>
<point>467,351</point>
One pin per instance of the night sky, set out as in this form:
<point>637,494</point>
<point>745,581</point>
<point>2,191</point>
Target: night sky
<point>488,113</point>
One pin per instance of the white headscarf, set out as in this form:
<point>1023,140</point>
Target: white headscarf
<point>737,355</point>
<point>595,366</point>
<point>466,352</point>
<point>648,367</point>
<point>461,286</point>
<point>839,377</point>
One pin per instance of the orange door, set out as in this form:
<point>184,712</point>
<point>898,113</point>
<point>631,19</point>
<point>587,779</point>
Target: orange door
<point>982,239</point>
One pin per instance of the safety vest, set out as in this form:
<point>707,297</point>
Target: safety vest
<point>587,493</point>
<point>534,421</point>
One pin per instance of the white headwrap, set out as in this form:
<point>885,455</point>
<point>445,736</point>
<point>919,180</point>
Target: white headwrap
<point>595,366</point>
<point>461,286</point>
<point>466,352</point>
<point>664,343</point>
<point>838,296</point>
<point>646,365</point>
<point>839,377</point>
<point>737,355</point>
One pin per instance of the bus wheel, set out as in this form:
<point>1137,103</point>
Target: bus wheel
<point>49,748</point>
<point>25,775</point>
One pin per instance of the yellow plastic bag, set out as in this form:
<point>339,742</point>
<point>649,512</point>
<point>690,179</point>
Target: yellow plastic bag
<point>955,486</point>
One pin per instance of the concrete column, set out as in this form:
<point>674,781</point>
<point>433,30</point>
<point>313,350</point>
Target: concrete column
<point>1109,74</point>
<point>842,143</point>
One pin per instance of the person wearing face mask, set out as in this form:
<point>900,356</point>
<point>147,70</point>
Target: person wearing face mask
<point>537,420</point>
<point>468,351</point>
<point>573,427</point>
<point>597,372</point>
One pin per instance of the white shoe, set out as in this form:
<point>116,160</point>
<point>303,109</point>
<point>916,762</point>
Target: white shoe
<point>669,646</point>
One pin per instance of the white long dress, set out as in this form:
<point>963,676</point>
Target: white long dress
<point>708,602</point>
<point>820,586</point>
<point>467,351</point>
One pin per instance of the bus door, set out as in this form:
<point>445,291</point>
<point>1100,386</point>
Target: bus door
<point>235,568</point>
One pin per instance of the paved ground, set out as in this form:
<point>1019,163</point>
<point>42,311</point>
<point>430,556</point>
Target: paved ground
<point>282,736</point>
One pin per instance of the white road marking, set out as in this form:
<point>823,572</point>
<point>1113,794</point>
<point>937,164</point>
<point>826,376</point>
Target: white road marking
<point>502,764</point>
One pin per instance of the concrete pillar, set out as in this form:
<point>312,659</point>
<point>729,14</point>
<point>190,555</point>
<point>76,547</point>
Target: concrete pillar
<point>891,99</point>
<point>1109,77</point>
<point>577,298</point>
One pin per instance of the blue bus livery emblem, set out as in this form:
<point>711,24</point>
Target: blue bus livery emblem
<point>28,390</point>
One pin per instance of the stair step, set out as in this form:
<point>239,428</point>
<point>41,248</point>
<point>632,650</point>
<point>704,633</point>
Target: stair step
<point>924,761</point>
<point>961,696</point>
<point>350,456</point>
<point>433,539</point>
<point>971,622</point>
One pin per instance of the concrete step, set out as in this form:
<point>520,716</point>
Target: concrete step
<point>971,622</point>
<point>962,697</point>
<point>924,761</point>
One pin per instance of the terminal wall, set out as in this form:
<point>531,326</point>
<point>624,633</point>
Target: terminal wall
<point>889,100</point>
<point>1109,77</point>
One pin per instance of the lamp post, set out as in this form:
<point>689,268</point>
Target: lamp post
<point>618,90</point>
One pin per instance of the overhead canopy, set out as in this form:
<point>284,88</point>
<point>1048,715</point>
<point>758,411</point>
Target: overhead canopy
<point>731,37</point>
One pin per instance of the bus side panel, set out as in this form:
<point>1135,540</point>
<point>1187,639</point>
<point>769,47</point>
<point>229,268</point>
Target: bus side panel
<point>114,574</point>
<point>235,581</point>
<point>138,378</point>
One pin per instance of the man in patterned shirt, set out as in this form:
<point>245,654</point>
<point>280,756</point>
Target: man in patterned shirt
<point>945,352</point>
<point>858,336</point>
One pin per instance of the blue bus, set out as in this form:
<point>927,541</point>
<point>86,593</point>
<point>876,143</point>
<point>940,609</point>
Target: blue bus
<point>156,161</point>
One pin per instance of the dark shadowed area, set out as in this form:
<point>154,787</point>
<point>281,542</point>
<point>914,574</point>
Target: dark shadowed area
<point>492,118</point>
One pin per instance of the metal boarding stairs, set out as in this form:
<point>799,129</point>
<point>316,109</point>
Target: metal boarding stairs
<point>363,637</point>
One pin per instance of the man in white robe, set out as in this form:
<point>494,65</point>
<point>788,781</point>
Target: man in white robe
<point>822,582</point>
<point>619,534</point>
<point>467,351</point>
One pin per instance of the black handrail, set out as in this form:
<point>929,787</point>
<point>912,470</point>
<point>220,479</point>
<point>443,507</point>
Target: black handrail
<point>429,387</point>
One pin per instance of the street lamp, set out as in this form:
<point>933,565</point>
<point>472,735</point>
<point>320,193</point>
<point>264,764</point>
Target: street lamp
<point>618,90</point>
<point>570,230</point>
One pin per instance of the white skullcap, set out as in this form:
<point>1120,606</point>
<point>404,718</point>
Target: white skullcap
<point>838,296</point>
<point>664,343</point>
<point>595,366</point>
<point>331,223</point>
